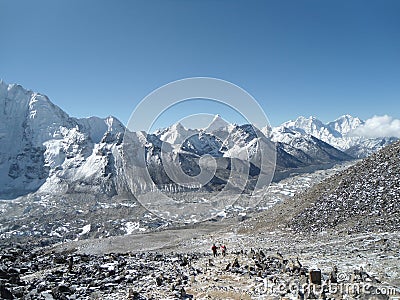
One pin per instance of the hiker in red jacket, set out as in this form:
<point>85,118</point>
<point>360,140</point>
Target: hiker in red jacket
<point>214,250</point>
<point>223,250</point>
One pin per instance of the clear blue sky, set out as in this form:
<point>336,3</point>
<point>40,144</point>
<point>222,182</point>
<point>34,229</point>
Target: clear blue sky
<point>321,58</point>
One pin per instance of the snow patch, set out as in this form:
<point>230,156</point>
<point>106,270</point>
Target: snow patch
<point>131,227</point>
<point>85,229</point>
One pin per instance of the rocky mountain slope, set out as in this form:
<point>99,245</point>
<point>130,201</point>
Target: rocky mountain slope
<point>362,198</point>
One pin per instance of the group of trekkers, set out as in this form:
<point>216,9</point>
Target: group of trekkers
<point>214,250</point>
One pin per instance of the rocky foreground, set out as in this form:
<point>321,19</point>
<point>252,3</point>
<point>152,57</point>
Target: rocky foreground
<point>273,265</point>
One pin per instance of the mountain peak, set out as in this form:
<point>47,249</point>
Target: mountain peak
<point>346,117</point>
<point>345,124</point>
<point>306,125</point>
<point>303,118</point>
<point>178,126</point>
<point>175,134</point>
<point>217,123</point>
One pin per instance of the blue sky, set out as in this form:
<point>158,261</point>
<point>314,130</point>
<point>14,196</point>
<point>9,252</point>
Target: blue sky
<point>321,58</point>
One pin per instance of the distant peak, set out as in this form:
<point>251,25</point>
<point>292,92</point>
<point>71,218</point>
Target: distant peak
<point>217,123</point>
<point>310,118</point>
<point>345,117</point>
<point>217,119</point>
<point>178,125</point>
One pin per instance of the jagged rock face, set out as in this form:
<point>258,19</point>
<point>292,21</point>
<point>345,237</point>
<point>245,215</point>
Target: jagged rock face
<point>362,198</point>
<point>44,149</point>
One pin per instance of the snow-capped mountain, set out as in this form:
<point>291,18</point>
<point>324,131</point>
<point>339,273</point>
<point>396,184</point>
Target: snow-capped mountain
<point>315,150</point>
<point>337,133</point>
<point>42,147</point>
<point>333,133</point>
<point>44,150</point>
<point>294,152</point>
<point>345,124</point>
<point>175,134</point>
<point>366,147</point>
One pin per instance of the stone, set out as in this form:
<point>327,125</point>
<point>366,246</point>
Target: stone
<point>133,295</point>
<point>182,292</point>
<point>315,277</point>
<point>60,292</point>
<point>159,281</point>
<point>47,295</point>
<point>5,293</point>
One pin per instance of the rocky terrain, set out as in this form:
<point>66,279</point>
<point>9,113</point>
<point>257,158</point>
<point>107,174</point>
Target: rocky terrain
<point>269,265</point>
<point>363,198</point>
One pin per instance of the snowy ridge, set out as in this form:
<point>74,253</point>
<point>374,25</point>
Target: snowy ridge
<point>337,133</point>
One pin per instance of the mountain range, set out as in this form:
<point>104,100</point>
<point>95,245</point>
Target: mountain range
<point>45,151</point>
<point>338,133</point>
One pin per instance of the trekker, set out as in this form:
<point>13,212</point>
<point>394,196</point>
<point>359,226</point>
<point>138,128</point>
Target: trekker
<point>223,250</point>
<point>214,250</point>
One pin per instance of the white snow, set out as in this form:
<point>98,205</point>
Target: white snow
<point>85,229</point>
<point>131,227</point>
<point>222,214</point>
